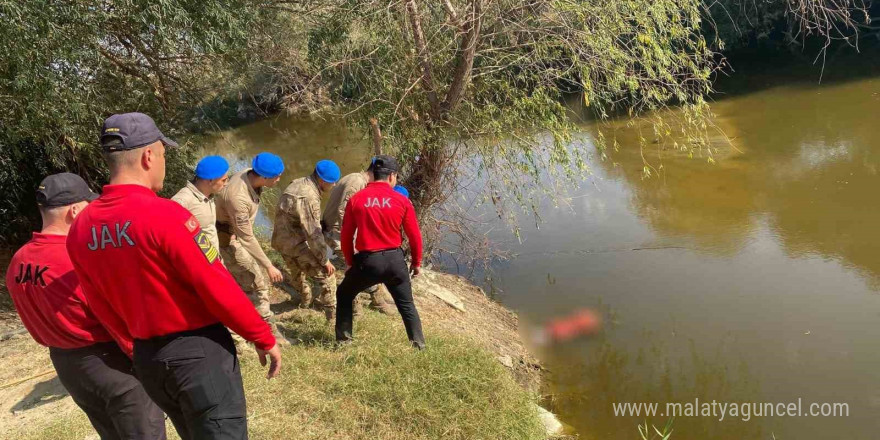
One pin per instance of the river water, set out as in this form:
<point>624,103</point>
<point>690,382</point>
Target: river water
<point>751,280</point>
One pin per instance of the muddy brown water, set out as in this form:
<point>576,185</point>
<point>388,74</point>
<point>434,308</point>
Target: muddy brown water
<point>752,280</point>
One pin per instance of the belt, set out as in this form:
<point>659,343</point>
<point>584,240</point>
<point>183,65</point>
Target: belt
<point>383,251</point>
<point>208,331</point>
<point>96,347</point>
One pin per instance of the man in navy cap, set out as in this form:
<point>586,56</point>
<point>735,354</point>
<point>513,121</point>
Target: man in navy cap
<point>95,369</point>
<point>237,206</point>
<point>376,215</point>
<point>299,238</point>
<point>149,273</point>
<point>198,194</point>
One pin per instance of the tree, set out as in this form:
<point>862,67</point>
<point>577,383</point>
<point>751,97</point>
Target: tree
<point>67,64</point>
<point>480,83</point>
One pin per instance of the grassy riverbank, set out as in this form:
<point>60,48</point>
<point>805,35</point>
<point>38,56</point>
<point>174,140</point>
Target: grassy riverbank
<point>374,388</point>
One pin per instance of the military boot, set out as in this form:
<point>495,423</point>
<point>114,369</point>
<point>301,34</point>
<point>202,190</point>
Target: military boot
<point>381,300</point>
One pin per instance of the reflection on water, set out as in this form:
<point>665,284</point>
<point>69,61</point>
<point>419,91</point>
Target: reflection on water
<point>806,163</point>
<point>753,279</point>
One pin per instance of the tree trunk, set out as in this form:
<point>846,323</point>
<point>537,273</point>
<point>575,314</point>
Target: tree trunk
<point>376,136</point>
<point>467,51</point>
<point>415,19</point>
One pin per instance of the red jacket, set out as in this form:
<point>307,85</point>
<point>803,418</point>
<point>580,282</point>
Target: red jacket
<point>148,270</point>
<point>47,294</point>
<point>377,213</point>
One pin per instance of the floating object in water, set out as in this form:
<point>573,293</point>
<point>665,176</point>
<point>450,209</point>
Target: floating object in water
<point>583,322</point>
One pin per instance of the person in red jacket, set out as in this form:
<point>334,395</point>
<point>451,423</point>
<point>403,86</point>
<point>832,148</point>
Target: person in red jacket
<point>47,295</point>
<point>151,274</point>
<point>377,213</point>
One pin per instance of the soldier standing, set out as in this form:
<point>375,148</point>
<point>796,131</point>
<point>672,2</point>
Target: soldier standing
<point>149,273</point>
<point>299,238</point>
<point>48,297</point>
<point>237,206</point>
<point>198,195</point>
<point>377,214</point>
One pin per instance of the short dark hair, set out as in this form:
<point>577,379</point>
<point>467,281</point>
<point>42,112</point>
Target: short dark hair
<point>381,173</point>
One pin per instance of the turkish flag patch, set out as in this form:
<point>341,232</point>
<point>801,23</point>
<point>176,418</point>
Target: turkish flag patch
<point>192,224</point>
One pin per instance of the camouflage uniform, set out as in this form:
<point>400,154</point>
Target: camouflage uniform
<point>237,207</point>
<point>335,209</point>
<point>298,237</point>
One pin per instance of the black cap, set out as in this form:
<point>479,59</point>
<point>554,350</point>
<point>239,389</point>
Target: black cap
<point>63,189</point>
<point>384,163</point>
<point>127,131</point>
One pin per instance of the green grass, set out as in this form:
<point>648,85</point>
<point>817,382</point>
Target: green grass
<point>375,388</point>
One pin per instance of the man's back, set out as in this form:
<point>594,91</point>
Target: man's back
<point>339,197</point>
<point>295,219</point>
<point>377,213</point>
<point>47,295</point>
<point>148,270</point>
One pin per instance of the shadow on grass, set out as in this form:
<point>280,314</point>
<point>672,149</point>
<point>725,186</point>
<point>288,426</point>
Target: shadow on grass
<point>44,392</point>
<point>307,327</point>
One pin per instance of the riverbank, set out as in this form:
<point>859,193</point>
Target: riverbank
<point>476,380</point>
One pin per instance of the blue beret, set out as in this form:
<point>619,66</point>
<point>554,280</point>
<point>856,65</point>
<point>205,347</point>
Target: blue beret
<point>212,167</point>
<point>402,189</point>
<point>268,165</point>
<point>327,170</point>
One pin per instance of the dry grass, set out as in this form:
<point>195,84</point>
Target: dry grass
<point>375,388</point>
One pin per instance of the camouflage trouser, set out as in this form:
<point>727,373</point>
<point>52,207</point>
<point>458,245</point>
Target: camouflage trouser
<point>249,275</point>
<point>302,269</point>
<point>379,299</point>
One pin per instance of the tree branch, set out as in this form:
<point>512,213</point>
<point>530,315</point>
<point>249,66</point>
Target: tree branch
<point>467,50</point>
<point>129,69</point>
<point>453,16</point>
<point>424,57</point>
<point>376,136</point>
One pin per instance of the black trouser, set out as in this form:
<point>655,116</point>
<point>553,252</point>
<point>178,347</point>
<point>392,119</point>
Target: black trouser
<point>389,268</point>
<point>196,378</point>
<point>100,381</point>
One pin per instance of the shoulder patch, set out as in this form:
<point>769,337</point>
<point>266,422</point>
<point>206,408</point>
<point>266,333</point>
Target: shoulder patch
<point>192,224</point>
<point>211,253</point>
